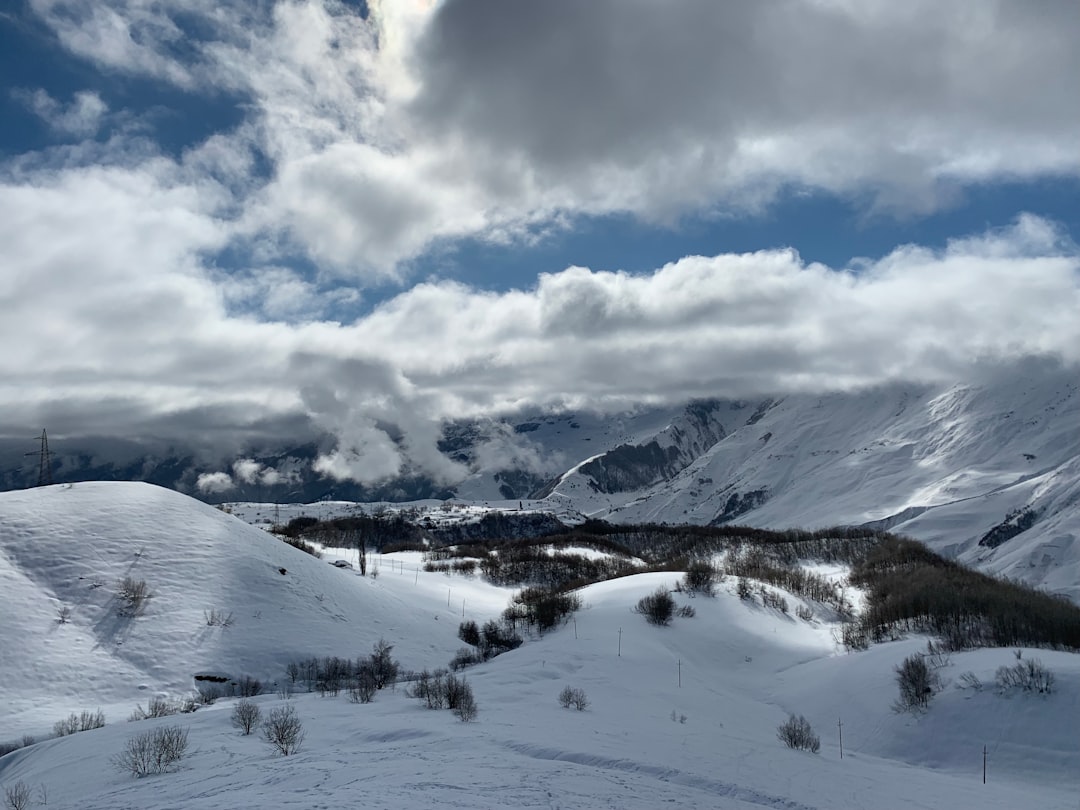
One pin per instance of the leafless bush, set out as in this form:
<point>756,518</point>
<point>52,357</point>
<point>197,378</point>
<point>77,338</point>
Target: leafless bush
<point>466,707</point>
<point>18,796</point>
<point>701,577</point>
<point>362,685</point>
<point>28,740</point>
<point>157,707</point>
<point>969,680</point>
<point>430,689</point>
<point>1028,676</point>
<point>158,750</point>
<point>744,589</point>
<point>804,613</point>
<point>217,618</point>
<point>283,730</point>
<point>245,716</point>
<point>74,723</point>
<point>773,599</point>
<point>917,682</point>
<point>132,594</point>
<point>208,693</point>
<point>936,655</point>
<point>796,733</point>
<point>572,696</point>
<point>247,686</point>
<point>686,612</point>
<point>63,614</point>
<point>657,608</point>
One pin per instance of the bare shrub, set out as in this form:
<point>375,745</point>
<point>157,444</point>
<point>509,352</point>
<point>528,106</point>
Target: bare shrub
<point>917,683</point>
<point>465,658</point>
<point>469,632</point>
<point>158,750</point>
<point>18,796</point>
<point>133,594</point>
<point>430,689</point>
<point>208,693</point>
<point>804,613</point>
<point>657,608</point>
<point>384,668</point>
<point>283,730</point>
<point>217,618</point>
<point>686,612</point>
<point>362,685</point>
<point>74,723</point>
<point>247,686</point>
<point>701,578</point>
<point>773,599</point>
<point>969,680</point>
<point>464,706</point>
<point>157,707</point>
<point>63,614</point>
<point>245,716</point>
<point>572,696</point>
<point>797,733</point>
<point>744,589</point>
<point>580,701</point>
<point>1027,676</point>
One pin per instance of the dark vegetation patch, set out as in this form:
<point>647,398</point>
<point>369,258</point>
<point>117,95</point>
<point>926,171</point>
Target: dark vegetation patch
<point>1016,522</point>
<point>908,587</point>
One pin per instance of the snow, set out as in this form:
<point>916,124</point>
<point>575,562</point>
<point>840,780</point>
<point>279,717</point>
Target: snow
<point>735,671</point>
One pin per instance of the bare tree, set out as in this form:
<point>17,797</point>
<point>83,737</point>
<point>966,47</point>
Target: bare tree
<point>283,730</point>
<point>572,696</point>
<point>156,751</point>
<point>796,733</point>
<point>917,683</point>
<point>245,716</point>
<point>465,707</point>
<point>657,608</point>
<point>18,796</point>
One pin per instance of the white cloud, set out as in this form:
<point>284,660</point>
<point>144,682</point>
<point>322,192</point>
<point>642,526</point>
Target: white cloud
<point>385,138</point>
<point>431,122</point>
<point>214,483</point>
<point>82,117</point>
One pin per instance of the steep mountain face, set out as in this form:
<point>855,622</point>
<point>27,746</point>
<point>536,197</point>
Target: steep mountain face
<point>988,473</point>
<point>630,467</point>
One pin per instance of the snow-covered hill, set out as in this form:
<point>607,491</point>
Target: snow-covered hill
<point>682,716</point>
<point>68,545</point>
<point>987,473</point>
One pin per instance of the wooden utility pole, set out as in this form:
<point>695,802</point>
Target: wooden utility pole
<point>620,642</point>
<point>840,726</point>
<point>984,764</point>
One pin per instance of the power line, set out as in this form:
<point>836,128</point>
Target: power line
<point>45,461</point>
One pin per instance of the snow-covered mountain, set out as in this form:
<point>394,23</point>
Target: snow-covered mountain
<point>683,716</point>
<point>988,473</point>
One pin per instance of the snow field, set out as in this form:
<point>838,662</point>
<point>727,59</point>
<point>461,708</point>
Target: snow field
<point>735,670</point>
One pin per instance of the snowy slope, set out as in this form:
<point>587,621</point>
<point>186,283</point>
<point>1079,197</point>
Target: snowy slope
<point>680,717</point>
<point>68,545</point>
<point>945,465</point>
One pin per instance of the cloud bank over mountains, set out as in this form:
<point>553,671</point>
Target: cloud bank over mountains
<point>217,290</point>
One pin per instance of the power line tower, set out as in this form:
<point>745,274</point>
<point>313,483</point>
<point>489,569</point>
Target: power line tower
<point>45,461</point>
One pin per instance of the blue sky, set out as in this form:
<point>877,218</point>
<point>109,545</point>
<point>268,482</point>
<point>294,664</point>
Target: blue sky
<point>331,215</point>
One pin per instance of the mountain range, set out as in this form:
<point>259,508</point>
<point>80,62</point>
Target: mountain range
<point>986,471</point>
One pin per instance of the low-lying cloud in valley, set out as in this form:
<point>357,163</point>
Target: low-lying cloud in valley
<point>219,290</point>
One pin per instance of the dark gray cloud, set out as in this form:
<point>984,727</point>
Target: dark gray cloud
<point>886,97</point>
